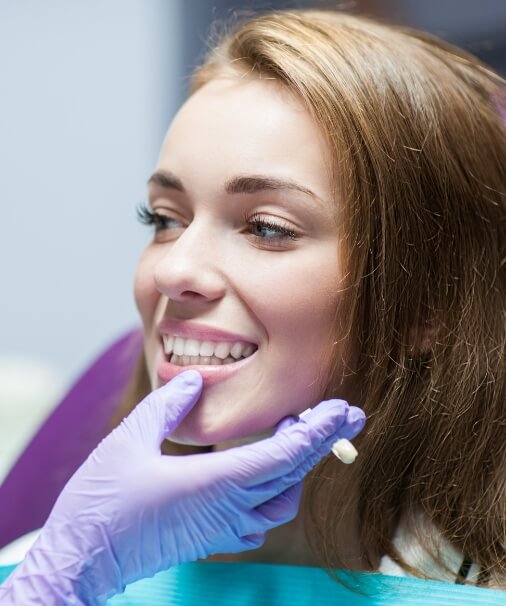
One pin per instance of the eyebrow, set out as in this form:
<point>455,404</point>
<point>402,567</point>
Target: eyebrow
<point>241,184</point>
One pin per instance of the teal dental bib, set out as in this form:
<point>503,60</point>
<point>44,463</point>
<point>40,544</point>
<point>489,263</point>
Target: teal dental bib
<point>237,584</point>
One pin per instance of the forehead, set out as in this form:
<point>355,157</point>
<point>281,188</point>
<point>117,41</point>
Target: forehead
<point>233,126</point>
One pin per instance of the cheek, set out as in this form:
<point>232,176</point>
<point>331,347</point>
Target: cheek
<point>299,321</point>
<point>301,305</point>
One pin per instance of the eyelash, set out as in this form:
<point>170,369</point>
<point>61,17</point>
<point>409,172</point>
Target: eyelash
<point>283,230</point>
<point>147,217</point>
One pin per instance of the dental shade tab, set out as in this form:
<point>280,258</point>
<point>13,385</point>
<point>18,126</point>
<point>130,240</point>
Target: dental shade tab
<point>343,449</point>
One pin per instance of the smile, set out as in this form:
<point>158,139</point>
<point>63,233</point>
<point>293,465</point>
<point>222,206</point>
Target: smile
<point>183,351</point>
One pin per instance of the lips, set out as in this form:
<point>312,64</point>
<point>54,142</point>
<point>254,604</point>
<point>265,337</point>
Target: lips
<point>212,373</point>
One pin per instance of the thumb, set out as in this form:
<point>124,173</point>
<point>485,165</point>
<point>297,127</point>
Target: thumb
<point>162,410</point>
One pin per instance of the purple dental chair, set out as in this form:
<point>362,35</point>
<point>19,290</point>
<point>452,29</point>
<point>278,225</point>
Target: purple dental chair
<point>66,438</point>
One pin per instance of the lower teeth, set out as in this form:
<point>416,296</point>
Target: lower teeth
<point>200,360</point>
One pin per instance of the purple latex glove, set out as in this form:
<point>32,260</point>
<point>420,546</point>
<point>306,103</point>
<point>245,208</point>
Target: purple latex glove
<point>129,511</point>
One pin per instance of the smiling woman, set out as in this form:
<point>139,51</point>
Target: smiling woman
<point>328,214</point>
<point>332,194</point>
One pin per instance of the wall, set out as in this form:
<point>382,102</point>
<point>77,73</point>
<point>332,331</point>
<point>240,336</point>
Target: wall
<point>87,90</point>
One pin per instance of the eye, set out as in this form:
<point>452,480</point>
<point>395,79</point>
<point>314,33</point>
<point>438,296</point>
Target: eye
<point>160,222</point>
<point>270,231</point>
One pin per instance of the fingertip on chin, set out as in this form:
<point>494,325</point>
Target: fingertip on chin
<point>189,377</point>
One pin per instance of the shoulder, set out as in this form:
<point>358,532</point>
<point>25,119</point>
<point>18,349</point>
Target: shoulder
<point>422,547</point>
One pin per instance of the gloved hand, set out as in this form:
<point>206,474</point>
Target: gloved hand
<point>129,511</point>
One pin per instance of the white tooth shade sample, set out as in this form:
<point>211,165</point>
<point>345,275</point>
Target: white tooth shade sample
<point>344,451</point>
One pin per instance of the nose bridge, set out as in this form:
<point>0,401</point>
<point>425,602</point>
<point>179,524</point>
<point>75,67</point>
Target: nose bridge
<point>192,241</point>
<point>191,263</point>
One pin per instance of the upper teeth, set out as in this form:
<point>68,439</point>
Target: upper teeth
<point>191,347</point>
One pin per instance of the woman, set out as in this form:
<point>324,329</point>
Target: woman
<point>329,211</point>
<point>396,254</point>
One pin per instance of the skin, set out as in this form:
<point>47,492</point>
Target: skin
<point>210,266</point>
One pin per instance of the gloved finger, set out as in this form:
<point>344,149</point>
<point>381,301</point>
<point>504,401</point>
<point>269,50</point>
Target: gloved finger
<point>277,511</point>
<point>254,496</point>
<point>283,452</point>
<point>355,422</point>
<point>285,423</point>
<point>282,508</point>
<point>161,411</point>
<point>319,418</point>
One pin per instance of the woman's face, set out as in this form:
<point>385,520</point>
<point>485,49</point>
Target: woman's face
<point>244,253</point>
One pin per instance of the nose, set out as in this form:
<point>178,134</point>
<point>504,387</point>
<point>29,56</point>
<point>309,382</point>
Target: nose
<point>191,268</point>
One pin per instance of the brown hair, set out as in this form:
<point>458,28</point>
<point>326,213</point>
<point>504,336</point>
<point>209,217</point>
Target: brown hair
<point>418,153</point>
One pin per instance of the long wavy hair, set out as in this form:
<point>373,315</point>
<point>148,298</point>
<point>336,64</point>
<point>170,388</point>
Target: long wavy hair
<point>418,148</point>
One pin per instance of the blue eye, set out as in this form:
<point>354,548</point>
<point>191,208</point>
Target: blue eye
<point>269,230</point>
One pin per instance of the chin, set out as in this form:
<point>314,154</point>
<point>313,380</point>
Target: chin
<point>193,431</point>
